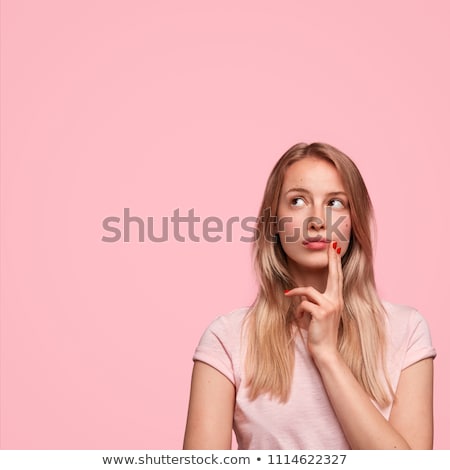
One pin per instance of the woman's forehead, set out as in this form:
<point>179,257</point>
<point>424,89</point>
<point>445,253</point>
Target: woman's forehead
<point>312,174</point>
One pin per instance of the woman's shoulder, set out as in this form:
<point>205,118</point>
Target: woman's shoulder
<point>408,328</point>
<point>401,313</point>
<point>220,344</point>
<point>229,322</point>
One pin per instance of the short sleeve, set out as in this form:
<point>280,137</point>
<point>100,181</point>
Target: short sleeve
<point>419,343</point>
<point>219,344</point>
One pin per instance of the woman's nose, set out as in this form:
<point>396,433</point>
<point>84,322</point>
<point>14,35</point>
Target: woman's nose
<point>316,220</point>
<point>316,223</point>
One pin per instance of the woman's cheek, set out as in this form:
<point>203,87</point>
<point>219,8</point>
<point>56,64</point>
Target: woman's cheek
<point>289,230</point>
<point>340,229</point>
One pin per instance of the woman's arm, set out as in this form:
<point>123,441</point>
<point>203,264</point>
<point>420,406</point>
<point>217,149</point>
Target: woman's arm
<point>411,422</point>
<point>211,408</point>
<point>412,412</point>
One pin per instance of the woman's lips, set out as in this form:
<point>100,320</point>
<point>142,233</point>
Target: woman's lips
<point>319,245</point>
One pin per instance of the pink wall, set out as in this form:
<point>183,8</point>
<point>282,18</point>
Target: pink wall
<point>154,106</point>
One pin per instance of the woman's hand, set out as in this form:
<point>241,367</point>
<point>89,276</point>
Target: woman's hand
<point>410,424</point>
<point>324,309</point>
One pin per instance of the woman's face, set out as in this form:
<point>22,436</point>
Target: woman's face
<point>312,212</point>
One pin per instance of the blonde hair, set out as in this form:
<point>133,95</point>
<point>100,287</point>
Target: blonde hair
<point>269,323</point>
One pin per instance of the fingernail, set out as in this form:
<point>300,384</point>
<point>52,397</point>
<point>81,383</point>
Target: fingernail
<point>339,251</point>
<point>286,291</point>
<point>334,245</point>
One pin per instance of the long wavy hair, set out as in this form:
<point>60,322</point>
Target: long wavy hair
<point>270,325</point>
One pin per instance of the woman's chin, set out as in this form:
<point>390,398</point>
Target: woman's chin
<point>310,265</point>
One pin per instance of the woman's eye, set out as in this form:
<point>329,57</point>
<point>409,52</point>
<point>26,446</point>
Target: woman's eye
<point>298,201</point>
<point>336,203</point>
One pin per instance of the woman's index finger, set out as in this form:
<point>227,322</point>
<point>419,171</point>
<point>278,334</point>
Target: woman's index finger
<point>333,281</point>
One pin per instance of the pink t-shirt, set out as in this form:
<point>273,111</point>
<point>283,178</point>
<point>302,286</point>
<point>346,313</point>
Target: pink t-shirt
<point>307,420</point>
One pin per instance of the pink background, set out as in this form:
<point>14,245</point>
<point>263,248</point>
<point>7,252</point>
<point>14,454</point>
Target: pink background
<point>159,105</point>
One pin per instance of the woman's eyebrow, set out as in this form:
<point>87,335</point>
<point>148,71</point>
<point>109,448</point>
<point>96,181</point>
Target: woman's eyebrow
<point>303,190</point>
<point>337,193</point>
<point>298,190</point>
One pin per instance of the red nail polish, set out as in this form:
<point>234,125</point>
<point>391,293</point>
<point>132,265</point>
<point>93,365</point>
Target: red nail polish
<point>286,291</point>
<point>334,245</point>
<point>339,251</point>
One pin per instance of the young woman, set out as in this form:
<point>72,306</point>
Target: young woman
<point>318,361</point>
